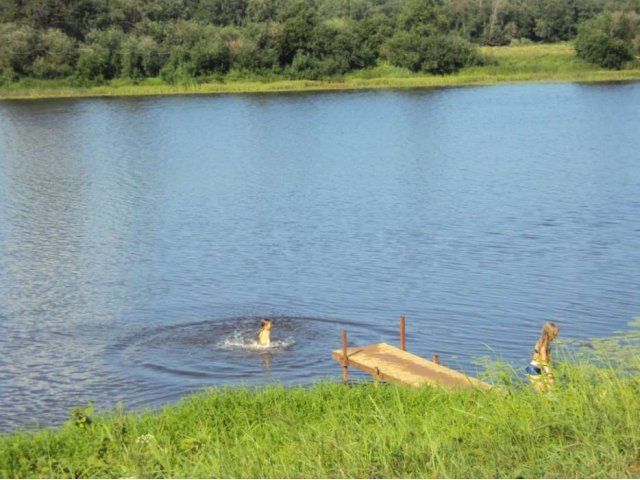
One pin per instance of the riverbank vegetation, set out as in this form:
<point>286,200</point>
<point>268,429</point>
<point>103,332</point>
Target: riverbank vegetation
<point>519,63</point>
<point>588,426</point>
<point>179,45</point>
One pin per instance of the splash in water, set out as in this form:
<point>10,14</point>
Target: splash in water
<point>242,341</point>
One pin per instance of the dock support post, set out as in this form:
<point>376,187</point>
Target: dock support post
<point>403,336</point>
<point>345,359</point>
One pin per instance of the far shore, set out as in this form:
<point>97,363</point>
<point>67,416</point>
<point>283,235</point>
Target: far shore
<point>512,64</point>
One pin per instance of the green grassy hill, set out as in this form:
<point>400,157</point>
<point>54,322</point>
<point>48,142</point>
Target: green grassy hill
<point>588,426</point>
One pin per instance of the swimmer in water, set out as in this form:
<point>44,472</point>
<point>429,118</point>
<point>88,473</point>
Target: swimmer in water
<point>264,337</point>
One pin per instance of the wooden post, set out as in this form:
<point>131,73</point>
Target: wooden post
<point>403,335</point>
<point>345,359</point>
<point>435,358</point>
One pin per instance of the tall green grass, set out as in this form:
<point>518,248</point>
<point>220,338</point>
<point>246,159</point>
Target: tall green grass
<point>523,63</point>
<point>588,426</point>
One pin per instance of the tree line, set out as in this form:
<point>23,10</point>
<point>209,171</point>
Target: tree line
<point>92,41</point>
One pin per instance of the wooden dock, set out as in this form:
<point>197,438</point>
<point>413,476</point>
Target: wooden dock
<point>396,365</point>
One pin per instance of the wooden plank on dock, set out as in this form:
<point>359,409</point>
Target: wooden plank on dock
<point>391,364</point>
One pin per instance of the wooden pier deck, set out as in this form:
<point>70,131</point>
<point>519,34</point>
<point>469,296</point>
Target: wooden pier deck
<point>396,365</point>
<point>391,364</point>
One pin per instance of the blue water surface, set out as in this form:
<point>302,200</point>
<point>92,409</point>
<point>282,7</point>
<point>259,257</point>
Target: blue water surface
<point>142,239</point>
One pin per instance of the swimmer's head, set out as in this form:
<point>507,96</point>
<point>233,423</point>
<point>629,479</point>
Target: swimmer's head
<point>550,330</point>
<point>266,323</point>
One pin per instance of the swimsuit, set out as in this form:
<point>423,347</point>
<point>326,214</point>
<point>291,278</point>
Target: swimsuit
<point>537,364</point>
<point>533,370</point>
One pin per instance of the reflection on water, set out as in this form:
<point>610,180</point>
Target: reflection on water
<point>141,238</point>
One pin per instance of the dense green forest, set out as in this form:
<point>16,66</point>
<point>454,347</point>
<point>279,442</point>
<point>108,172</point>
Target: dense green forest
<point>92,41</point>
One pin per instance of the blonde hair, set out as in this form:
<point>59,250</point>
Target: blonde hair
<point>549,333</point>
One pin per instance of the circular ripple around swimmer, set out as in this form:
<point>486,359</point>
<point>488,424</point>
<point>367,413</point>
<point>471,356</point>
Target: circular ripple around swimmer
<point>226,351</point>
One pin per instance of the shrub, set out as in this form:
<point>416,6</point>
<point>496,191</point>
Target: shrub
<point>404,49</point>
<point>303,66</point>
<point>338,43</point>
<point>140,57</point>
<point>606,40</point>
<point>436,54</point>
<point>258,49</point>
<point>58,55</point>
<point>447,54</point>
<point>18,48</point>
<point>210,56</point>
<point>177,74</point>
<point>100,56</point>
<point>93,62</point>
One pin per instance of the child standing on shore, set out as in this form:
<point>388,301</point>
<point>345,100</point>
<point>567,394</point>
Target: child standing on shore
<point>539,370</point>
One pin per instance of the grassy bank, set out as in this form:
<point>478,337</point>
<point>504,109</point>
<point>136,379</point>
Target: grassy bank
<point>526,63</point>
<point>589,426</point>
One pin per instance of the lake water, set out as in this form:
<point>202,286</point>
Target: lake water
<point>142,239</point>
